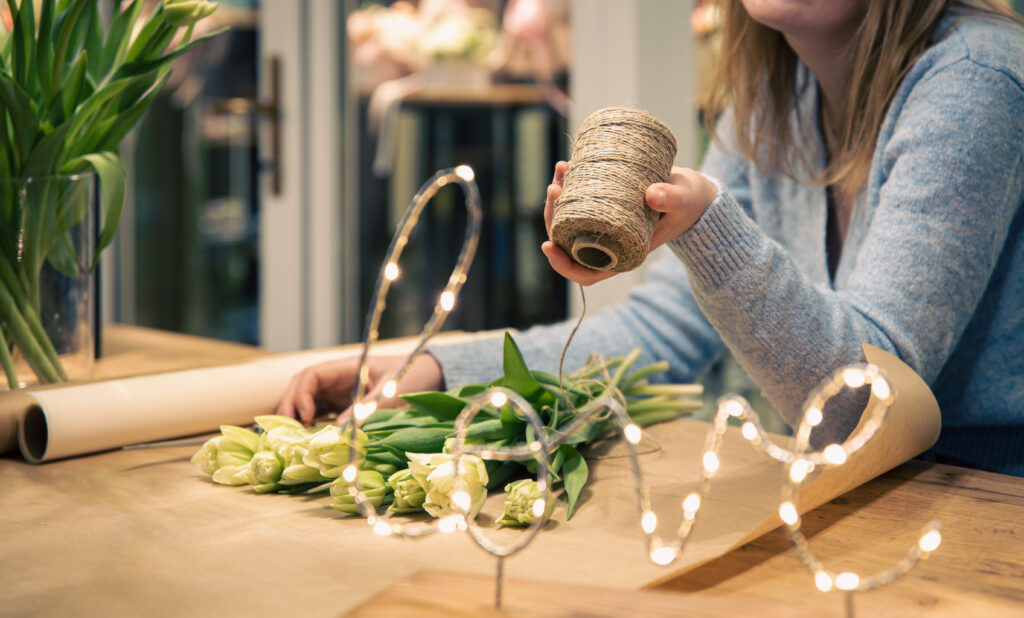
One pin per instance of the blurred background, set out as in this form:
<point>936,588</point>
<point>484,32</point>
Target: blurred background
<point>267,180</point>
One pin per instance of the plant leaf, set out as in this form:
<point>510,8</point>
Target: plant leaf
<point>24,119</point>
<point>110,170</point>
<point>68,22</point>
<point>574,477</point>
<point>44,48</point>
<point>441,405</point>
<point>416,439</point>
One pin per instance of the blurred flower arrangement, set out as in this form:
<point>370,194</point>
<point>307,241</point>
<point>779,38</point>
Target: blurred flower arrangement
<point>403,457</point>
<point>389,42</point>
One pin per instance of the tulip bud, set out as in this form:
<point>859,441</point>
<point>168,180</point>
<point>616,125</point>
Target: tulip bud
<point>330,449</point>
<point>372,484</point>
<point>184,13</point>
<point>436,472</point>
<point>409,494</point>
<point>265,471</point>
<point>521,504</point>
<point>230,452</point>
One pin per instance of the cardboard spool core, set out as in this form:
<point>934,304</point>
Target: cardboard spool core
<point>595,253</point>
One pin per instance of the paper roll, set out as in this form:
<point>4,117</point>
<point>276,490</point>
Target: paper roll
<point>87,418</point>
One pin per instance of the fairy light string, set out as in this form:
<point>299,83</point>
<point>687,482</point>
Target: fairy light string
<point>799,463</point>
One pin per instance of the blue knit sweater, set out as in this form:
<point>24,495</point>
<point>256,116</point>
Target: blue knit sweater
<point>932,267</point>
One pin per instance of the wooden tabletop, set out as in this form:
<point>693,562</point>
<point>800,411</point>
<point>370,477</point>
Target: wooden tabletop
<point>977,571</point>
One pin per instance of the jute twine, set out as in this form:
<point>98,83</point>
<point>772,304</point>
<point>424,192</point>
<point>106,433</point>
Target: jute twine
<point>601,218</point>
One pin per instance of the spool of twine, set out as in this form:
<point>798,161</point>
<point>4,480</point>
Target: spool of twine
<point>601,218</point>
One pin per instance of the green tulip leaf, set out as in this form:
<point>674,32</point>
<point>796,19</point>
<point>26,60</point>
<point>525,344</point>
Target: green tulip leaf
<point>574,477</point>
<point>440,405</point>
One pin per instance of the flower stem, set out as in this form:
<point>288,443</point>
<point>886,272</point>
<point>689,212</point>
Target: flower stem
<point>8,277</point>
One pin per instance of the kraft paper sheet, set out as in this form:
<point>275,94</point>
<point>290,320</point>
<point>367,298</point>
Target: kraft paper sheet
<point>127,532</point>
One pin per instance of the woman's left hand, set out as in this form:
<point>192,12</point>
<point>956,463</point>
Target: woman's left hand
<point>681,201</point>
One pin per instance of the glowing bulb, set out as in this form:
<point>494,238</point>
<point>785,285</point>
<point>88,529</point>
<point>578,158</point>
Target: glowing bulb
<point>854,378</point>
<point>930,541</point>
<point>390,388</point>
<point>447,301</point>
<point>787,511</point>
<point>710,462</point>
<point>363,411</point>
<point>391,271</point>
<point>749,430</point>
<point>449,524</point>
<point>382,528</point>
<point>691,503</point>
<point>465,172</point>
<point>649,522</point>
<point>834,454</point>
<point>847,581</point>
<point>633,433</point>
<point>663,555</point>
<point>881,389</point>
<point>349,473</point>
<point>798,470</point>
<point>733,407</point>
<point>813,417</point>
<point>823,581</point>
<point>462,500</point>
<point>499,399</point>
<point>538,507</point>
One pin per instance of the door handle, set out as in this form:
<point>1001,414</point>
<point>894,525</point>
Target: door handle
<point>269,110</point>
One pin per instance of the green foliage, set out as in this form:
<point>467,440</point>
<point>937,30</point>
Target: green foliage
<point>71,88</point>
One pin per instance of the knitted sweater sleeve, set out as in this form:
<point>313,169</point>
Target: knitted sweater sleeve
<point>946,181</point>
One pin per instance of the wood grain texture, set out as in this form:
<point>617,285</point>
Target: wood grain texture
<point>977,571</point>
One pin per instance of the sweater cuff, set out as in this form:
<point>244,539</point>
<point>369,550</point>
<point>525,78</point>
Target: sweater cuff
<point>464,362</point>
<point>721,242</point>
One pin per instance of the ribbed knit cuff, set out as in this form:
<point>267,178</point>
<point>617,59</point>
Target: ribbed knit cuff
<point>721,242</point>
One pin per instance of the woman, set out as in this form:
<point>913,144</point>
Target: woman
<point>866,185</point>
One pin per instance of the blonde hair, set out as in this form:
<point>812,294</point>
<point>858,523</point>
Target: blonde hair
<point>757,76</point>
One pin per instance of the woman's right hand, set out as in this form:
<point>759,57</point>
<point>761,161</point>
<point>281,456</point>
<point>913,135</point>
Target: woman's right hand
<point>328,386</point>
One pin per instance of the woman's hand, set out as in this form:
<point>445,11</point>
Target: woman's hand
<point>681,201</point>
<point>328,386</point>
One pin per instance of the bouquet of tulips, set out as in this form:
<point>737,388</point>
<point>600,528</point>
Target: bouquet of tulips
<point>403,456</point>
<point>73,83</point>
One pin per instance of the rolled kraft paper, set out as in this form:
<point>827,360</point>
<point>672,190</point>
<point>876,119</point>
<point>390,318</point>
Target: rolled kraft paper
<point>88,418</point>
<point>601,218</point>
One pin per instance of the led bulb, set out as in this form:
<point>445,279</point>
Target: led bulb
<point>834,454</point>
<point>447,301</point>
<point>499,399</point>
<point>813,417</point>
<point>649,522</point>
<point>847,581</point>
<point>633,433</point>
<point>930,541</point>
<point>823,581</point>
<point>663,555</point>
<point>710,462</point>
<point>788,513</point>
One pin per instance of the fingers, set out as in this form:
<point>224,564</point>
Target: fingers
<point>554,190</point>
<point>326,385</point>
<point>682,201</point>
<point>565,266</point>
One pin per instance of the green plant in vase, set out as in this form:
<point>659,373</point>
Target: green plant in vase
<point>75,78</point>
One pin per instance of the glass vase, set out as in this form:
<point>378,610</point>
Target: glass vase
<point>47,299</point>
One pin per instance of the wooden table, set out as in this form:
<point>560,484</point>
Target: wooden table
<point>978,571</point>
